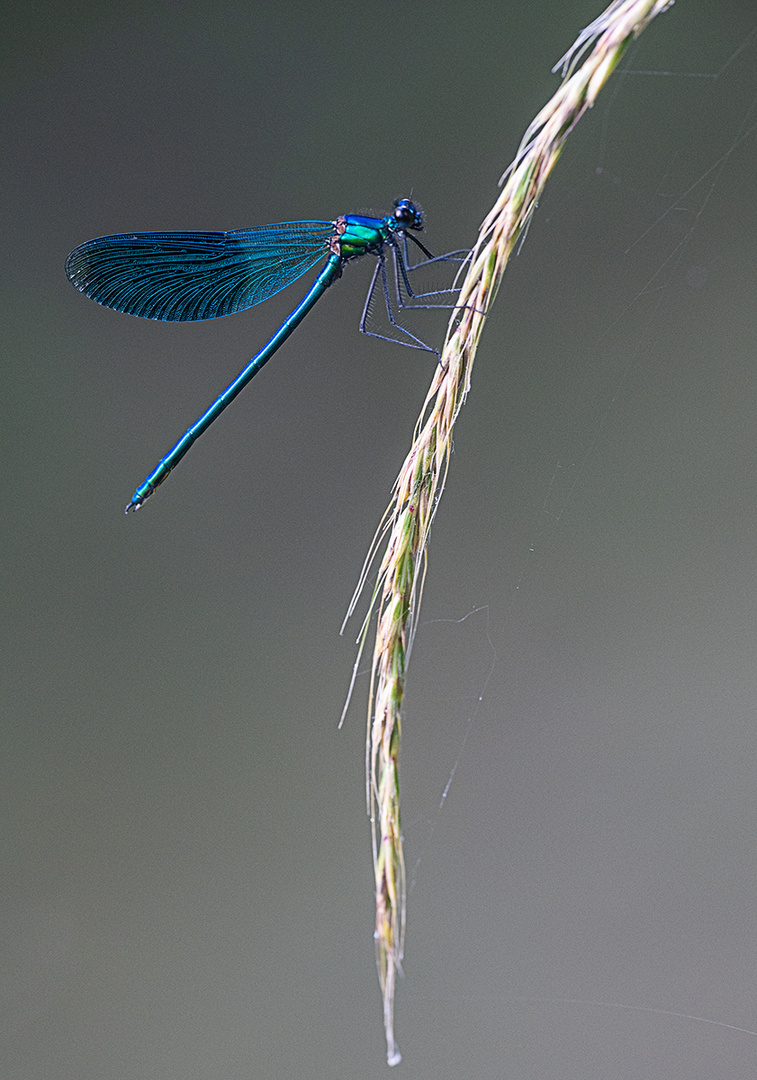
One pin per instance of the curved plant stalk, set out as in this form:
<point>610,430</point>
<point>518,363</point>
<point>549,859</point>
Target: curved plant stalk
<point>420,483</point>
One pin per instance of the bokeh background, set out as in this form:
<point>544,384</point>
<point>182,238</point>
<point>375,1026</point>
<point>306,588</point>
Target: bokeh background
<point>186,871</point>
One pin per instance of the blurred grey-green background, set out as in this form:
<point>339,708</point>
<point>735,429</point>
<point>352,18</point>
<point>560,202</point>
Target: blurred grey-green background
<point>186,873</point>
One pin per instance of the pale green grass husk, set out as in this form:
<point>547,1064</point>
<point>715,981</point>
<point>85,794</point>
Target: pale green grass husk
<point>396,597</point>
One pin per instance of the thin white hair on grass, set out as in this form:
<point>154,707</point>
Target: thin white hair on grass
<point>698,74</point>
<point>567,475</point>
<point>466,734</point>
<point>635,1008</point>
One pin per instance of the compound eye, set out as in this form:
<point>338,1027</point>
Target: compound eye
<point>406,214</point>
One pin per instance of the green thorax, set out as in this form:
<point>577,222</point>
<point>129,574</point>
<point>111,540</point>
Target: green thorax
<point>357,235</point>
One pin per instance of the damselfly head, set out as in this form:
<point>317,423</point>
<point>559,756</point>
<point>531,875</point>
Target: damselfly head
<point>407,214</point>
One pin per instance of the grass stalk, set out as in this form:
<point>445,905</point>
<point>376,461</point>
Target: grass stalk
<point>585,68</point>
